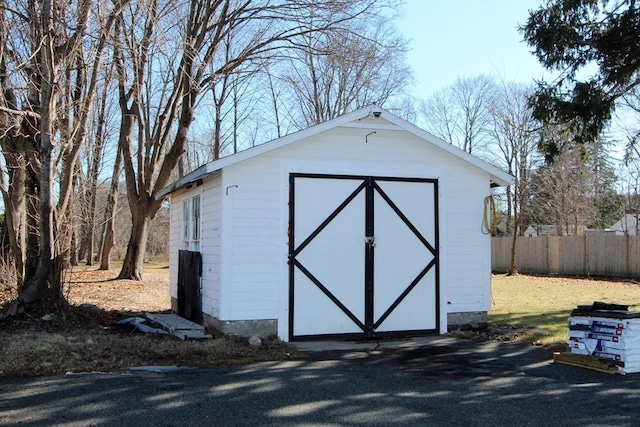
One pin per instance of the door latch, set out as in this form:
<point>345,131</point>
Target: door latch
<point>371,241</point>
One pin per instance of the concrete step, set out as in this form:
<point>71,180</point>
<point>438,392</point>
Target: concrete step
<point>179,326</point>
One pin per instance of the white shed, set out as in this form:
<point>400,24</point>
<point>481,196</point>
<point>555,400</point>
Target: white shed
<point>362,226</point>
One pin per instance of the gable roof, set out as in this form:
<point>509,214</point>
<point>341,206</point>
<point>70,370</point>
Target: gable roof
<point>628,224</point>
<point>353,119</point>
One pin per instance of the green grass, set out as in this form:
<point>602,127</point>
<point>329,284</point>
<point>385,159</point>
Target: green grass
<point>545,303</point>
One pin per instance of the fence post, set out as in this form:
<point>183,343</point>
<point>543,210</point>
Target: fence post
<point>586,255</point>
<point>553,243</point>
<point>627,263</point>
<point>548,246</point>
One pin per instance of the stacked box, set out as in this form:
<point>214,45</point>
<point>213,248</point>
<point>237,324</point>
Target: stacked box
<point>607,333</point>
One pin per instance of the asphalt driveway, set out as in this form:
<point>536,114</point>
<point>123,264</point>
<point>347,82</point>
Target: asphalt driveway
<point>437,381</point>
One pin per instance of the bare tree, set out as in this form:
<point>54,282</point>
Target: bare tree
<point>159,108</point>
<point>562,189</point>
<point>99,137</point>
<point>111,207</point>
<point>46,66</point>
<point>515,135</point>
<point>461,113</point>
<point>607,202</point>
<point>234,96</point>
<point>275,94</point>
<point>335,73</point>
<point>49,69</point>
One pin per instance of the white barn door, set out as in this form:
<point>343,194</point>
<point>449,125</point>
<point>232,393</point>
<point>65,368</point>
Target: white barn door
<point>363,257</point>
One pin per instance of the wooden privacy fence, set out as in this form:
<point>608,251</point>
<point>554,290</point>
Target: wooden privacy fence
<point>588,255</point>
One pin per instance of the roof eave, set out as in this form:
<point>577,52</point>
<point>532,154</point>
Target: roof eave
<point>216,165</point>
<point>497,176</point>
<point>198,174</point>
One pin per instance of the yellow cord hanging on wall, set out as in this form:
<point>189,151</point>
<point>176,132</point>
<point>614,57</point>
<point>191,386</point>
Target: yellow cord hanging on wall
<point>490,218</point>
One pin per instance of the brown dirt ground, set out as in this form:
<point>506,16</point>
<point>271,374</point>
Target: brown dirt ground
<point>89,286</point>
<point>78,340</point>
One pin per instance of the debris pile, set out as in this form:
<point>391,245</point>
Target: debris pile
<point>604,337</point>
<point>161,324</point>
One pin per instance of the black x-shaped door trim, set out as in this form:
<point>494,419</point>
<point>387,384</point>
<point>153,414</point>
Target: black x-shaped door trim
<point>370,186</point>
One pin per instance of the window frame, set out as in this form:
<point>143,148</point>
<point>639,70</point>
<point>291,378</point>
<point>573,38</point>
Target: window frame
<point>191,223</point>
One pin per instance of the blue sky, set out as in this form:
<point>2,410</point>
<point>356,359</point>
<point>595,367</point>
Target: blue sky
<point>463,38</point>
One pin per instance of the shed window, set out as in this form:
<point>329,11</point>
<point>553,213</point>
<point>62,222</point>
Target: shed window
<point>191,224</point>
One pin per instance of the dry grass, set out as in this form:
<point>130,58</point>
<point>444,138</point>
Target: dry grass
<point>34,352</point>
<point>545,303</point>
<point>525,308</point>
<point>77,340</point>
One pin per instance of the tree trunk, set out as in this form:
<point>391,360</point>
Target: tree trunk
<point>109,214</point>
<point>81,251</point>
<point>90,227</point>
<point>73,250</point>
<point>13,196</point>
<point>35,289</point>
<point>95,170</point>
<point>132,267</point>
<point>65,222</point>
<point>32,240</point>
<point>107,244</point>
<point>38,283</point>
<point>217,132</point>
<point>513,265</point>
<point>13,150</point>
<point>510,221</point>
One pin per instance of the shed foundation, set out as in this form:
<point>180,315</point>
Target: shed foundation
<point>244,328</point>
<point>467,320</point>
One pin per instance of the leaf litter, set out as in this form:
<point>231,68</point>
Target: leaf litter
<point>79,339</point>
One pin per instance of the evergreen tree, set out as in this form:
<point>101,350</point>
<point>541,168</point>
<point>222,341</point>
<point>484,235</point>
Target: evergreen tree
<point>571,37</point>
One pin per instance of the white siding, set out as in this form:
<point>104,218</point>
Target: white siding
<point>256,278</point>
<point>466,251</point>
<point>211,245</point>
<point>175,239</point>
<point>210,241</point>
<point>252,260</point>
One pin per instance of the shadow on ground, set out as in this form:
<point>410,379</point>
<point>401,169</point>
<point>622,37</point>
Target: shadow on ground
<point>443,382</point>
